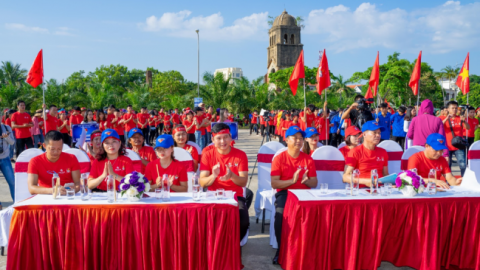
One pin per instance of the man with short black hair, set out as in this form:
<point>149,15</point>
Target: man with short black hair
<point>75,119</point>
<point>22,122</point>
<point>200,124</point>
<point>130,119</point>
<point>383,119</point>
<point>454,126</point>
<point>358,116</point>
<point>307,116</point>
<point>41,168</point>
<point>253,122</point>
<point>50,119</point>
<point>397,126</point>
<point>143,117</point>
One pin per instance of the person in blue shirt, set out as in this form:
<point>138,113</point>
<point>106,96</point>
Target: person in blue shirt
<point>397,126</point>
<point>383,119</point>
<point>334,128</point>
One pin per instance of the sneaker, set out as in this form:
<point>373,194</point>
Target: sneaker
<point>275,258</point>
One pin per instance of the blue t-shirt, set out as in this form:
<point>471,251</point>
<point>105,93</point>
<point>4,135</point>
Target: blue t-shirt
<point>384,121</point>
<point>342,130</point>
<point>336,123</point>
<point>397,125</point>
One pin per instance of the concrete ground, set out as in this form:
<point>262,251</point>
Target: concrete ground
<point>257,253</point>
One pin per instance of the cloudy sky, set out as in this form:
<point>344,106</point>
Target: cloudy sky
<point>83,35</point>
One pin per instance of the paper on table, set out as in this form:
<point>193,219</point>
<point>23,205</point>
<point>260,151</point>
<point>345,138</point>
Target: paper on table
<point>82,139</point>
<point>389,178</point>
<point>469,182</point>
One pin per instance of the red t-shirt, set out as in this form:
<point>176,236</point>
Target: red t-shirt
<point>310,119</point>
<point>20,119</point>
<point>230,117</point>
<point>51,123</point>
<point>473,122</point>
<point>175,119</point>
<point>345,151</point>
<point>323,128</point>
<point>8,122</point>
<point>175,168</point>
<point>102,125</point>
<point>236,160</point>
<point>110,118</point>
<point>121,166</point>
<point>193,152</point>
<point>254,118</point>
<point>147,153</point>
<point>457,129</point>
<point>187,124</point>
<point>285,166</point>
<point>143,119</point>
<point>64,129</point>
<point>64,166</point>
<point>424,165</point>
<point>75,120</point>
<point>209,118</point>
<point>366,160</point>
<point>199,120</point>
<point>119,128</point>
<point>161,116</point>
<point>285,124</point>
<point>131,124</point>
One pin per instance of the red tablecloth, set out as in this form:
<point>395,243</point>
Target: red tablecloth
<point>359,234</point>
<point>175,236</point>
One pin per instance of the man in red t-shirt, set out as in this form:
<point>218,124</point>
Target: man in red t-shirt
<point>200,127</point>
<point>50,118</point>
<point>110,116</point>
<point>431,158</point>
<point>161,115</point>
<point>458,125</point>
<point>76,118</point>
<point>226,167</point>
<point>129,119</point>
<point>367,156</point>
<point>146,153</point>
<point>22,123</point>
<point>175,118</point>
<point>473,123</point>
<point>307,116</point>
<point>40,168</point>
<point>291,169</point>
<point>143,117</point>
<point>253,122</point>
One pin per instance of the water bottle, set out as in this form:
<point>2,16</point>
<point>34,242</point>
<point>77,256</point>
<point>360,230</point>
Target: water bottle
<point>432,183</point>
<point>355,185</point>
<point>84,186</point>
<point>55,185</point>
<point>196,188</point>
<point>166,188</point>
<point>110,189</point>
<point>374,185</point>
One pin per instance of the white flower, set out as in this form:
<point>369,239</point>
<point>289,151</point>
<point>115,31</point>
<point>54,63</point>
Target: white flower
<point>132,191</point>
<point>147,187</point>
<point>408,179</point>
<point>141,180</point>
<point>421,189</point>
<point>127,180</point>
<point>121,186</point>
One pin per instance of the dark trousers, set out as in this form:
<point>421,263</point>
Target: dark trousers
<point>280,200</point>
<point>272,130</point>
<point>252,128</point>
<point>470,140</point>
<point>262,129</point>
<point>400,141</point>
<point>22,144</point>
<point>153,135</point>
<point>334,139</point>
<point>145,132</point>
<point>191,137</point>
<point>160,129</point>
<point>244,218</point>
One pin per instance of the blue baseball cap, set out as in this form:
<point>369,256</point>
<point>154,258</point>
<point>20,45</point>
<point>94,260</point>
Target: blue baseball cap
<point>164,141</point>
<point>372,125</point>
<point>294,130</point>
<point>437,141</point>
<point>310,132</point>
<point>133,131</point>
<point>109,133</point>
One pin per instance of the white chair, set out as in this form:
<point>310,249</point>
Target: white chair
<point>395,152</point>
<point>474,158</point>
<point>199,150</point>
<point>244,240</point>
<point>264,159</point>
<point>82,158</point>
<point>407,154</point>
<point>342,145</point>
<point>273,238</point>
<point>65,147</point>
<point>136,160</point>
<point>319,144</point>
<point>329,164</point>
<point>182,156</point>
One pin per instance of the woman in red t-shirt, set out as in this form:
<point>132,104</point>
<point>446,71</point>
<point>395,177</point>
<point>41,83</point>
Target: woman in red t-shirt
<point>101,120</point>
<point>311,141</point>
<point>64,127</point>
<point>166,164</point>
<point>94,147</point>
<point>111,162</point>
<point>180,138</point>
<point>352,139</point>
<point>190,126</point>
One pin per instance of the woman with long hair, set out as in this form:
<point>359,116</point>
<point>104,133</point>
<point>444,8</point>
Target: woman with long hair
<point>409,115</point>
<point>111,161</point>
<point>88,118</point>
<point>180,138</point>
<point>166,164</point>
<point>311,141</point>
<point>189,126</point>
<point>224,114</point>
<point>101,120</point>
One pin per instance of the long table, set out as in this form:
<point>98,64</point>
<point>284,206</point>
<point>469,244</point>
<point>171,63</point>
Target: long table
<point>336,231</point>
<point>150,234</point>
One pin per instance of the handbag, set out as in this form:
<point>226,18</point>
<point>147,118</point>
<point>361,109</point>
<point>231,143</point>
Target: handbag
<point>457,141</point>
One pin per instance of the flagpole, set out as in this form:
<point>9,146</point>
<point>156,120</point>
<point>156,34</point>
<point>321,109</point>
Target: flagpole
<point>418,95</point>
<point>304,95</point>
<point>326,119</point>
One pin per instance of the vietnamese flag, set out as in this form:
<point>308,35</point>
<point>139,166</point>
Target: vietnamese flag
<point>463,81</point>
<point>323,74</point>
<point>298,73</point>
<point>35,75</point>
<point>374,77</point>
<point>415,79</point>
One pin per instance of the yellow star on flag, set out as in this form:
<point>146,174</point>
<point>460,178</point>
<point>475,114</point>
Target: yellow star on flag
<point>464,74</point>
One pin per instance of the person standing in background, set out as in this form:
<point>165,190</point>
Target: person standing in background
<point>383,119</point>
<point>7,140</point>
<point>409,115</point>
<point>37,129</point>
<point>22,122</point>
<point>473,123</point>
<point>397,126</point>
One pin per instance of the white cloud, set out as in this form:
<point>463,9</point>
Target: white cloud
<point>211,27</point>
<point>440,29</point>
<point>22,27</point>
<point>63,31</point>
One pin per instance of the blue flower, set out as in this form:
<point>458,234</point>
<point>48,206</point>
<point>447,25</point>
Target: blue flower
<point>140,187</point>
<point>125,187</point>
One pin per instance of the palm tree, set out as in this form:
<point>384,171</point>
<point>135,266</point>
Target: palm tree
<point>12,73</point>
<point>341,87</point>
<point>300,21</point>
<point>217,89</point>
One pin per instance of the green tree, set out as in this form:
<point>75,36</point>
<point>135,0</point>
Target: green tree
<point>12,73</point>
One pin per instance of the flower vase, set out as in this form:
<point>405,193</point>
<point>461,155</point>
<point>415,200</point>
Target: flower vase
<point>133,198</point>
<point>408,191</point>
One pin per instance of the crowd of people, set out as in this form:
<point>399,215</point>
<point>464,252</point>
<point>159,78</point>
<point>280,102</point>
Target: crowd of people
<point>154,134</point>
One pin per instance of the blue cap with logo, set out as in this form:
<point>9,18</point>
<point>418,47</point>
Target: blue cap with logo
<point>164,141</point>
<point>133,131</point>
<point>437,141</point>
<point>294,130</point>
<point>310,132</point>
<point>372,125</point>
<point>110,133</point>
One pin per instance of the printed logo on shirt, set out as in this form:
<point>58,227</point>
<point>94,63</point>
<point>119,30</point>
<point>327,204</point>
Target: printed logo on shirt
<point>68,170</point>
<point>61,171</point>
<point>380,159</point>
<point>176,177</point>
<point>439,169</point>
<point>236,164</point>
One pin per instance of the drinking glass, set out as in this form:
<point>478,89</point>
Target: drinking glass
<point>389,188</point>
<point>211,195</point>
<point>220,194</point>
<point>158,193</point>
<point>383,191</point>
<point>348,189</point>
<point>196,192</point>
<point>70,188</point>
<point>323,188</point>
<point>356,183</point>
<point>229,194</point>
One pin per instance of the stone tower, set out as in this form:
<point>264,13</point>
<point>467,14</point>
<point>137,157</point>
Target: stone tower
<point>284,44</point>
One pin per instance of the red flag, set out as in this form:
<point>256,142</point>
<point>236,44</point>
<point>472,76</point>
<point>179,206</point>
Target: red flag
<point>35,75</point>
<point>463,80</point>
<point>323,74</point>
<point>298,73</point>
<point>374,79</point>
<point>415,79</point>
